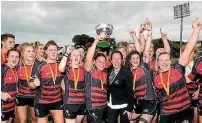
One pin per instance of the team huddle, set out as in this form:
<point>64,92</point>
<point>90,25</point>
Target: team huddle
<point>96,85</point>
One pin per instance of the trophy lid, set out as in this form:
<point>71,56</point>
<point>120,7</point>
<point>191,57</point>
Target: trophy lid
<point>103,26</point>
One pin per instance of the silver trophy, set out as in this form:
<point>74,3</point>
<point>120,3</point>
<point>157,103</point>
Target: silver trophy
<point>107,29</point>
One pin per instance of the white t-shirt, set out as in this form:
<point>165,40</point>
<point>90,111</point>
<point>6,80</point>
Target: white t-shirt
<point>188,68</point>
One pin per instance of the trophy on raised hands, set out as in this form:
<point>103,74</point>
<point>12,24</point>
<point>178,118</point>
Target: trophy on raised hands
<point>107,29</point>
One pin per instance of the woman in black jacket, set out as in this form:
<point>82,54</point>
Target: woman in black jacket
<point>120,92</point>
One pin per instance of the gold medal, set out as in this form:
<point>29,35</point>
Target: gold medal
<point>167,88</point>
<point>53,76</point>
<point>102,81</point>
<point>76,79</point>
<point>26,72</point>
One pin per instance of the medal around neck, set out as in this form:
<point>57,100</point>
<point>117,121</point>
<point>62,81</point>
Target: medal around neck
<point>107,29</point>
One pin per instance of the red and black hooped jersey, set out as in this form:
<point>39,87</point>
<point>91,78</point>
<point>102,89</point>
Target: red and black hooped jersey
<point>49,91</point>
<point>9,81</point>
<point>96,89</point>
<point>196,75</point>
<point>192,87</point>
<point>3,58</point>
<point>74,85</point>
<point>24,74</point>
<point>142,83</point>
<point>178,98</point>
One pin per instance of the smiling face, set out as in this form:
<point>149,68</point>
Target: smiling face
<point>131,47</point>
<point>29,53</point>
<point>116,60</point>
<point>75,56</point>
<point>100,62</point>
<point>82,52</point>
<point>52,52</point>
<point>13,58</point>
<point>164,62</point>
<point>135,60</point>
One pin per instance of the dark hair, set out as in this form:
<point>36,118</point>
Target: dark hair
<point>163,53</point>
<point>128,58</point>
<point>11,50</point>
<point>51,42</point>
<point>97,55</point>
<point>116,52</point>
<point>6,35</point>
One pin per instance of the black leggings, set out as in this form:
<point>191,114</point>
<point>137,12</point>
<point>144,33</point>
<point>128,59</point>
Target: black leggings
<point>186,115</point>
<point>114,113</point>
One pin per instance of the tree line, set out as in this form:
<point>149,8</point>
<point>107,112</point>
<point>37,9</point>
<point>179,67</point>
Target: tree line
<point>86,41</point>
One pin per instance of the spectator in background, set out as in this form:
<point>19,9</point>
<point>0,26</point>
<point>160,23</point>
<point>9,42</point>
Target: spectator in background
<point>130,47</point>
<point>8,42</point>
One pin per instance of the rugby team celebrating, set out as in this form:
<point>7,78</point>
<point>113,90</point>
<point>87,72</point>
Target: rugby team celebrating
<point>92,85</point>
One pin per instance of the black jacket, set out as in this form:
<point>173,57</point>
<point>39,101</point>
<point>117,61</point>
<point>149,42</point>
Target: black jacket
<point>121,88</point>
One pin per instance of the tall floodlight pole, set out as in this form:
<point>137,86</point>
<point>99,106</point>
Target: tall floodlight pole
<point>181,11</point>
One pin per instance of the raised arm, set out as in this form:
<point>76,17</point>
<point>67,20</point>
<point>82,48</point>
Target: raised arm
<point>148,26</point>
<point>63,62</point>
<point>165,41</point>
<point>137,43</point>
<point>184,58</point>
<point>90,53</point>
<point>142,40</point>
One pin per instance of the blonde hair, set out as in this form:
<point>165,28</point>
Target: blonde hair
<point>23,47</point>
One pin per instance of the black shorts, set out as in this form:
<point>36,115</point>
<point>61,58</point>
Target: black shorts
<point>72,110</point>
<point>42,110</point>
<point>180,117</point>
<point>145,107</point>
<point>20,101</point>
<point>95,115</point>
<point>6,115</point>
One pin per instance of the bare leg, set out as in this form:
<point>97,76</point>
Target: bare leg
<point>57,116</point>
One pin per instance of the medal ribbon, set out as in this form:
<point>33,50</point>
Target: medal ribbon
<point>56,72</point>
<point>15,75</point>
<point>3,55</point>
<point>101,79</point>
<point>26,72</point>
<point>76,78</point>
<point>167,89</point>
